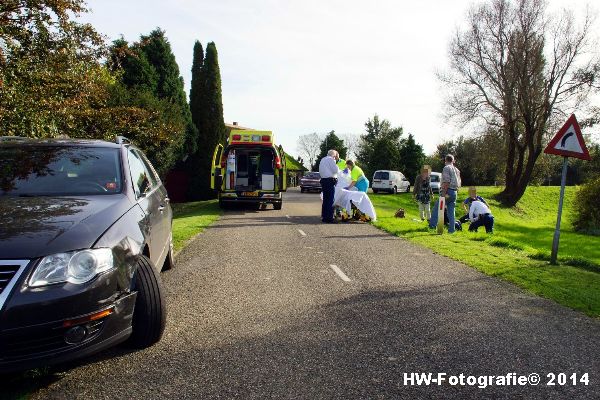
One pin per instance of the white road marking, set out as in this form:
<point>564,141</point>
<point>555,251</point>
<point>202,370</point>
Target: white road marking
<point>301,232</point>
<point>340,273</point>
<point>287,216</point>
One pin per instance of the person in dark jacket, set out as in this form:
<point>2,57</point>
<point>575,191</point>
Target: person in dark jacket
<point>423,193</point>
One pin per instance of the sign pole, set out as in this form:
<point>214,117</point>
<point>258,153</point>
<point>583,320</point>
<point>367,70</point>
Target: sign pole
<point>441,205</point>
<point>563,182</point>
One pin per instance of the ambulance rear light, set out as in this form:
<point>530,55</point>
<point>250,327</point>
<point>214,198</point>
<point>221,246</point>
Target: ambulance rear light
<point>236,137</point>
<point>266,138</point>
<point>277,162</point>
<point>223,160</point>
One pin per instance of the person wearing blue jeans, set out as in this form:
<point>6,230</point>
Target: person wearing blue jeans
<point>450,208</point>
<point>449,187</point>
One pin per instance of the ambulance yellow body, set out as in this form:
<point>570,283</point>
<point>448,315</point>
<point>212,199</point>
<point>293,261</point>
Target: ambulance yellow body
<point>249,169</point>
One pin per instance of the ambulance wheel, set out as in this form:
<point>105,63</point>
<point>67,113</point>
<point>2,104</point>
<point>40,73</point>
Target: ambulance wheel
<point>277,206</point>
<point>301,190</point>
<point>375,191</point>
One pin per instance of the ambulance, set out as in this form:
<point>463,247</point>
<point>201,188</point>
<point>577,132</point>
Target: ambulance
<point>249,169</point>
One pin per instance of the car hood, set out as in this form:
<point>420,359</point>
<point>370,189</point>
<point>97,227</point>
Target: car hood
<point>33,227</point>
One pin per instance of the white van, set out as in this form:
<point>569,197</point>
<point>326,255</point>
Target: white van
<point>390,181</point>
<point>436,179</point>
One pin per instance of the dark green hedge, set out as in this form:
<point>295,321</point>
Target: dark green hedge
<point>587,209</point>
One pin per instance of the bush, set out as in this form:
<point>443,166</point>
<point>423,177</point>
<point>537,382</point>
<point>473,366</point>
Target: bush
<point>587,219</point>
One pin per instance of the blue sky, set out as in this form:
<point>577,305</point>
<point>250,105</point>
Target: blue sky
<point>296,67</point>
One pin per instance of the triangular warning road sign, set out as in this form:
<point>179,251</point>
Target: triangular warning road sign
<point>568,142</point>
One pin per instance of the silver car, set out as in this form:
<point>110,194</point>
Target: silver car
<point>436,179</point>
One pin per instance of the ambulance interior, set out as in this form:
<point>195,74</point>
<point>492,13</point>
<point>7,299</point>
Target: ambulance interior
<point>250,169</point>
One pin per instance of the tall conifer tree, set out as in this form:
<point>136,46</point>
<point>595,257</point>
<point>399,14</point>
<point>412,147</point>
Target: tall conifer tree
<point>157,51</point>
<point>210,122</point>
<point>196,84</point>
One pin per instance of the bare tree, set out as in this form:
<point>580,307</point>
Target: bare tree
<point>309,146</point>
<point>519,70</point>
<point>352,142</point>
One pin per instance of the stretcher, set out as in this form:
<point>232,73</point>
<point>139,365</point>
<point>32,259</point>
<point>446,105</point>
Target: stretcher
<point>352,203</point>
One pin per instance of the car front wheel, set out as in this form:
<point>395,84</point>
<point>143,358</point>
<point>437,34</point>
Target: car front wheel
<point>150,313</point>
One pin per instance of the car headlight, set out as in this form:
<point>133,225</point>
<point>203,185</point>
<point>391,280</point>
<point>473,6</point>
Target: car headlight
<point>74,267</point>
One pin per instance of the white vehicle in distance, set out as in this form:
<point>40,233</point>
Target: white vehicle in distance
<point>390,181</point>
<point>436,179</point>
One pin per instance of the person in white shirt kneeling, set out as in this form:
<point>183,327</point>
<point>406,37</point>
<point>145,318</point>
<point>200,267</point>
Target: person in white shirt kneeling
<point>480,215</point>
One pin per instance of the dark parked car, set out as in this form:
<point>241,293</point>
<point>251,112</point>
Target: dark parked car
<point>310,181</point>
<point>85,230</point>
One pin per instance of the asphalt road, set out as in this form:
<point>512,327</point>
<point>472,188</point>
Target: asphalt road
<point>256,311</point>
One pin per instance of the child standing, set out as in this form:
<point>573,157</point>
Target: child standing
<point>422,192</point>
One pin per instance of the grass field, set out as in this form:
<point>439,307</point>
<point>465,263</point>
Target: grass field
<point>519,249</point>
<point>189,219</point>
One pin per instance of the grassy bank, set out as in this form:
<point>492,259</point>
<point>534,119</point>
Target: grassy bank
<point>519,250</point>
<point>189,219</point>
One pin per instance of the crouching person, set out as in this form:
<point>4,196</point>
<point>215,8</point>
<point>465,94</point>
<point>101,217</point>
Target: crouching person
<point>480,215</point>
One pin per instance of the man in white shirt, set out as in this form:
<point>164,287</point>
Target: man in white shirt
<point>480,215</point>
<point>328,171</point>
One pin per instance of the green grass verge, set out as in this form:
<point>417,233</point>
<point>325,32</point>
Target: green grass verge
<point>519,249</point>
<point>189,219</point>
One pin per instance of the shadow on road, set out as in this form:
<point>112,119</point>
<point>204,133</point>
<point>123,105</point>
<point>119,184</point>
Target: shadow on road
<point>362,345</point>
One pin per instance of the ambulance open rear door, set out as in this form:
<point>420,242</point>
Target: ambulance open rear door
<point>216,173</point>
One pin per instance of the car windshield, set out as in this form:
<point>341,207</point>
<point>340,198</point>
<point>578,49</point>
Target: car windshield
<point>435,178</point>
<point>313,175</point>
<point>59,171</point>
<point>381,175</point>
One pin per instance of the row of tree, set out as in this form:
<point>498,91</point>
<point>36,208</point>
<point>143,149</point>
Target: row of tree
<point>385,147</point>
<point>481,160</point>
<point>382,147</point>
<point>59,77</point>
